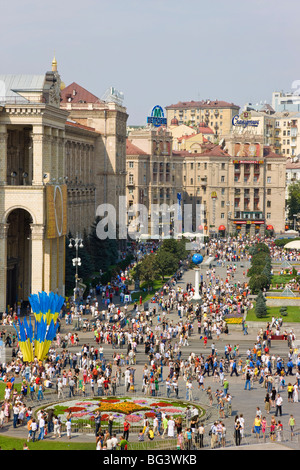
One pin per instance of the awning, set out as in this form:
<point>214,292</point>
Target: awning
<point>270,227</point>
<point>222,227</point>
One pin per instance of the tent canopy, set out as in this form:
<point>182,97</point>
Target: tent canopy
<point>294,245</point>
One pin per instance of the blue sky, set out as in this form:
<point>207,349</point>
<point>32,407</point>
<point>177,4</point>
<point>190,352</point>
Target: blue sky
<point>158,52</point>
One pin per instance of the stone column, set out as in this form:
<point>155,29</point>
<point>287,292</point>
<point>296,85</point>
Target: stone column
<point>37,155</point>
<point>3,154</point>
<point>37,258</point>
<point>61,157</point>
<point>47,265</point>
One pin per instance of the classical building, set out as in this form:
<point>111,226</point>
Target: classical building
<point>216,114</point>
<point>107,119</point>
<point>33,195</point>
<point>60,158</point>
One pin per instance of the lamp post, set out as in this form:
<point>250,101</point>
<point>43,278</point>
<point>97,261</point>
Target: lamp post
<point>76,243</point>
<point>295,218</point>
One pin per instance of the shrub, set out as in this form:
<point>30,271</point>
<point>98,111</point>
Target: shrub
<point>260,306</point>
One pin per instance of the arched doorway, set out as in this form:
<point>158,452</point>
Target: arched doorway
<point>18,285</point>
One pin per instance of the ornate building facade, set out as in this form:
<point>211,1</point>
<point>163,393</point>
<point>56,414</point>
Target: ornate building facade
<point>54,172</point>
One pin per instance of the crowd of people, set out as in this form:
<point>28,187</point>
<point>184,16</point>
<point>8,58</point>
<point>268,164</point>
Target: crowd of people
<point>123,333</point>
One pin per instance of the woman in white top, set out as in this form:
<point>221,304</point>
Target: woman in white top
<point>295,393</point>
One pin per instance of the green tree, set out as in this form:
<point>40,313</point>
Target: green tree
<point>165,263</point>
<point>175,247</point>
<point>293,201</point>
<point>104,253</point>
<point>260,306</point>
<point>258,283</point>
<point>148,269</point>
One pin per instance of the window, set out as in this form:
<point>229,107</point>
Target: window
<point>223,166</point>
<point>222,203</point>
<point>269,192</point>
<point>269,166</point>
<point>222,179</point>
<point>223,191</point>
<point>268,215</point>
<point>222,215</point>
<point>268,203</point>
<point>130,164</point>
<point>192,181</point>
<point>192,166</point>
<point>269,179</point>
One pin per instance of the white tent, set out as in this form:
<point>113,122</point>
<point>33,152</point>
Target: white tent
<point>294,245</point>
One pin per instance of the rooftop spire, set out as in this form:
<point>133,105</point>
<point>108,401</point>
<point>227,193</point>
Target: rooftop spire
<point>54,64</point>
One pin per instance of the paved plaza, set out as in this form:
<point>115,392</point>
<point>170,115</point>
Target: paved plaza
<point>243,401</point>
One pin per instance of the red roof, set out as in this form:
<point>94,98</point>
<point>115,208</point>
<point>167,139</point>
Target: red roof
<point>132,149</point>
<point>75,93</point>
<point>268,152</point>
<point>203,104</point>
<point>81,126</point>
<point>216,151</point>
<point>205,130</point>
<point>186,137</point>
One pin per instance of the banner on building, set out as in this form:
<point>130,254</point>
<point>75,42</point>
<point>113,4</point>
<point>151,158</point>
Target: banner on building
<point>56,200</point>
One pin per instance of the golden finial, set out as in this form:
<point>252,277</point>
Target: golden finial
<point>54,64</point>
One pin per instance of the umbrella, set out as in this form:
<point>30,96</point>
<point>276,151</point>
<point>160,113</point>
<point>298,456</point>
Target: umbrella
<point>294,245</point>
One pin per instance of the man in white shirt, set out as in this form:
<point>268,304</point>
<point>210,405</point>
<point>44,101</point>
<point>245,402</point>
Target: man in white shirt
<point>278,405</point>
<point>41,428</point>
<point>114,442</point>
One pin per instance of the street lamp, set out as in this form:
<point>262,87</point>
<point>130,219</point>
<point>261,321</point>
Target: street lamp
<point>295,218</point>
<point>76,243</point>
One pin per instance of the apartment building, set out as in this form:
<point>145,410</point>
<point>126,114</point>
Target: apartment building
<point>240,184</point>
<point>216,114</point>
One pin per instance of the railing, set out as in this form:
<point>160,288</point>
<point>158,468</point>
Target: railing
<point>21,100</point>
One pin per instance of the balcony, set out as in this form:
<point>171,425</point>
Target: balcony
<point>252,215</point>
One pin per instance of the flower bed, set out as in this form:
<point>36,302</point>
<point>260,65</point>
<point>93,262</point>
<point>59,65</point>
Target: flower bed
<point>135,410</point>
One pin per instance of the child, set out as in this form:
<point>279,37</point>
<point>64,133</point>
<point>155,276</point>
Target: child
<point>279,431</point>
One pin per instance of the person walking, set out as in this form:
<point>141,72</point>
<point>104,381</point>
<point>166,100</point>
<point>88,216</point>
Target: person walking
<point>248,380</point>
<point>126,428</point>
<point>237,431</point>
<point>292,423</point>
<point>279,401</point>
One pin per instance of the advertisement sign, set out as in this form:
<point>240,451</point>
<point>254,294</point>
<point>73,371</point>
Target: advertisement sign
<point>157,117</point>
<point>244,120</point>
<point>56,200</point>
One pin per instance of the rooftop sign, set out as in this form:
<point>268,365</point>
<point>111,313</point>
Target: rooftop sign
<point>244,120</point>
<point>157,117</point>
